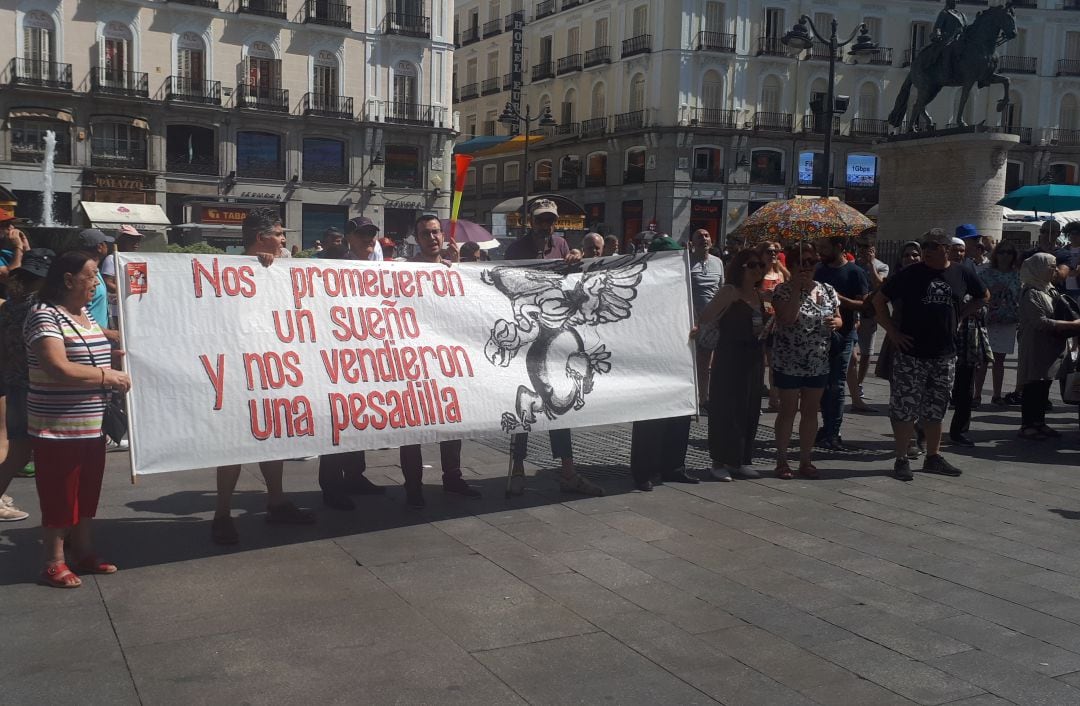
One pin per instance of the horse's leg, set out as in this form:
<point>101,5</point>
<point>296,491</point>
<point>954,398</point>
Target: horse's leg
<point>917,110</point>
<point>964,92</point>
<point>1002,104</point>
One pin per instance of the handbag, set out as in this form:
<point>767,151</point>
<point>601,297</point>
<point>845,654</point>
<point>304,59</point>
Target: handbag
<point>708,335</point>
<point>973,343</point>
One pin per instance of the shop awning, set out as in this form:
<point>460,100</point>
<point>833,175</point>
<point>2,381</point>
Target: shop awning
<point>41,114</point>
<point>104,214</point>
<point>138,123</point>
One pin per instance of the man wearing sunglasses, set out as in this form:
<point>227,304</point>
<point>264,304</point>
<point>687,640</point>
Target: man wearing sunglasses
<point>932,296</point>
<point>852,287</point>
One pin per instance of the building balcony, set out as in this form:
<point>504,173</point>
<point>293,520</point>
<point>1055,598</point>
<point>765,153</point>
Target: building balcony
<point>567,129</point>
<point>327,174</point>
<point>708,175</point>
<point>111,82</point>
<point>909,56</point>
<point>594,180</point>
<point>508,22</point>
<point>490,85</point>
<point>1068,67</point>
<point>132,159</point>
<point>40,74</point>
<point>543,70</point>
<point>715,41</point>
<point>641,44</point>
<point>181,163</point>
<point>820,51</point>
<point>594,127</point>
<point>714,117</point>
<point>542,184</point>
<point>634,120</point>
<point>406,113</point>
<point>1059,136</point>
<point>211,4</point>
<point>634,175</point>
<point>597,56</point>
<point>331,14</point>
<point>815,124</point>
<point>773,122</point>
<point>469,91</point>
<point>405,25</point>
<point>260,169</point>
<point>492,28</point>
<point>508,82</point>
<point>545,8</point>
<point>187,90</point>
<point>882,56</point>
<point>261,98</point>
<point>866,127</point>
<point>1023,132</point>
<point>569,181</point>
<point>266,8</point>
<point>767,176</point>
<point>471,35</point>
<point>568,64</point>
<point>1017,64</point>
<point>567,4</point>
<point>772,46</point>
<point>327,105</point>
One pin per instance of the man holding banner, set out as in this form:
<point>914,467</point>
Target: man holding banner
<point>263,237</point>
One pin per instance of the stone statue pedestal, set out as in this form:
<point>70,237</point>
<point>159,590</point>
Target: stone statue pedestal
<point>941,182</point>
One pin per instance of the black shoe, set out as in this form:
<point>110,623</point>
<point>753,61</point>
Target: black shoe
<point>679,475</point>
<point>360,485</point>
<point>902,470</point>
<point>414,496</point>
<point>937,464</point>
<point>644,486</point>
<point>338,501</point>
<point>458,486</point>
<point>961,440</point>
<point>656,480</point>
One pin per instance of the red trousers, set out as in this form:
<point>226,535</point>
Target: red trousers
<point>69,475</point>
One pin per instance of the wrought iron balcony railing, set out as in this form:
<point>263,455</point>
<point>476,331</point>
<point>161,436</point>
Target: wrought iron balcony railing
<point>212,4</point>
<point>773,122</point>
<point>543,70</point>
<point>867,127</point>
<point>43,74</point>
<point>509,20</point>
<point>633,120</point>
<point>568,64</point>
<point>1068,67</point>
<point>597,56</point>
<point>1018,64</point>
<point>324,12</point>
<point>471,35</point>
<point>469,91</point>
<point>545,8</point>
<point>715,41</point>
<point>188,90</point>
<point>112,82</point>
<point>267,8</point>
<point>882,56</point>
<point>117,159</point>
<point>406,113</point>
<point>406,25</point>
<point>327,105</point>
<point>490,85</point>
<point>594,127</point>
<point>772,46</point>
<point>1060,136</point>
<point>815,124</point>
<point>493,27</point>
<point>182,163</point>
<point>262,98</point>
<point>641,44</point>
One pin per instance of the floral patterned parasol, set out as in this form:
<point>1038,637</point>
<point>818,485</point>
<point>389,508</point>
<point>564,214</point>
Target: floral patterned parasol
<point>802,219</point>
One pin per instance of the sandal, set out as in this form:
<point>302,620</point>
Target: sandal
<point>1032,434</point>
<point>223,531</point>
<point>808,470</point>
<point>58,575</point>
<point>582,486</point>
<point>288,514</point>
<point>92,564</point>
<point>783,471</point>
<point>1048,432</point>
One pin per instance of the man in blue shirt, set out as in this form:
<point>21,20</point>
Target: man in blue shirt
<point>852,287</point>
<point>97,244</point>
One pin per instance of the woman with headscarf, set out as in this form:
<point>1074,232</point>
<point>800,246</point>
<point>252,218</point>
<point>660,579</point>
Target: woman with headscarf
<point>1046,321</point>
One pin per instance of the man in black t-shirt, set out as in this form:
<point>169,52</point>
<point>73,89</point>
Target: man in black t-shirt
<point>852,286</point>
<point>931,296</point>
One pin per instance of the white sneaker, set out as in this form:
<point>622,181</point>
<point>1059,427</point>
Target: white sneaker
<point>10,513</point>
<point>6,500</point>
<point>747,472</point>
<point>721,473</point>
<point>111,445</point>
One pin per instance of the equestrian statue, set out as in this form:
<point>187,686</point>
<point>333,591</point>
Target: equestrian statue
<point>959,54</point>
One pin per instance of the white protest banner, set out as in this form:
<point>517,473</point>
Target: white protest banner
<point>232,362</point>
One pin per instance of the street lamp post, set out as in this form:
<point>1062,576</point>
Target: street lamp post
<point>800,38</point>
<point>510,116</point>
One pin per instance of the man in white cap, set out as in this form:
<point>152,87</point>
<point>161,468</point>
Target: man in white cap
<point>128,240</point>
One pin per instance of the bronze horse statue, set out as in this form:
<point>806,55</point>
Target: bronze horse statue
<point>969,59</point>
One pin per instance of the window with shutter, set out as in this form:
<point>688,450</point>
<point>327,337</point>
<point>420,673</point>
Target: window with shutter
<point>641,21</point>
<point>1072,46</point>
<point>567,113</point>
<point>600,33</point>
<point>868,103</point>
<point>572,41</point>
<point>1067,118</point>
<point>771,92</point>
<point>774,23</point>
<point>493,65</point>
<point>712,97</point>
<point>470,71</point>
<point>599,102</point>
<point>637,93</point>
<point>714,17</point>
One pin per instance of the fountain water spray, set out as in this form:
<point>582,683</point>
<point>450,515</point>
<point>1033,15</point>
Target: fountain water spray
<point>47,168</point>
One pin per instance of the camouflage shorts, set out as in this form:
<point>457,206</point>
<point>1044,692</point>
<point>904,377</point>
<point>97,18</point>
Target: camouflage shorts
<point>920,387</point>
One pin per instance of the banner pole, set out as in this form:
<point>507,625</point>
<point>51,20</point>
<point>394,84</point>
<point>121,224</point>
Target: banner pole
<point>121,288</point>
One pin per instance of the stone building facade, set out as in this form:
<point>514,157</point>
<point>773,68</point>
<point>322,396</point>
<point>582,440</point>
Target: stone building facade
<point>325,108</point>
<point>694,112</point>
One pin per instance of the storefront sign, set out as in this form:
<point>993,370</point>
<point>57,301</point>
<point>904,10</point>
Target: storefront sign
<point>861,170</point>
<point>118,182</point>
<point>222,215</point>
<point>517,49</point>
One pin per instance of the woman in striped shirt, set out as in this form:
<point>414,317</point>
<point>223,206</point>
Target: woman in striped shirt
<point>71,376</point>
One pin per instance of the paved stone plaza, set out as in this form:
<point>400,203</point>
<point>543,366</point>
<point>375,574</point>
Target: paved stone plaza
<point>854,589</point>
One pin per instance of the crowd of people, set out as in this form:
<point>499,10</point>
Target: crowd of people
<point>797,322</point>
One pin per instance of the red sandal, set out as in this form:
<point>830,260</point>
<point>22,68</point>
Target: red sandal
<point>783,471</point>
<point>93,565</point>
<point>58,575</point>
<point>808,470</point>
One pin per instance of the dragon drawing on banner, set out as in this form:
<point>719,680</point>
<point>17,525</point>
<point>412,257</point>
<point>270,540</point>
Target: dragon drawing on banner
<point>548,319</point>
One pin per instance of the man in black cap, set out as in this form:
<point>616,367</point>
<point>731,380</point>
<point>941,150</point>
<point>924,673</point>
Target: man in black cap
<point>362,236</point>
